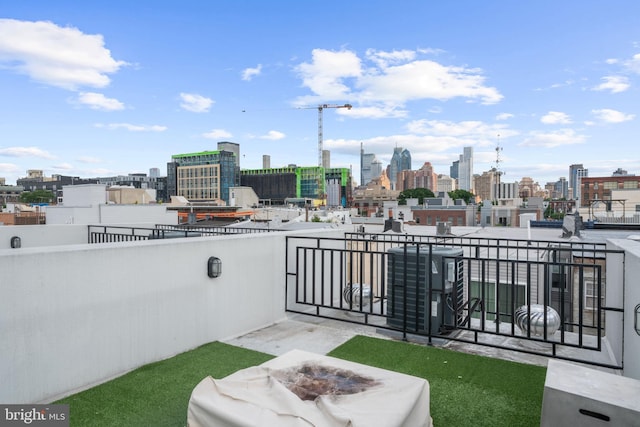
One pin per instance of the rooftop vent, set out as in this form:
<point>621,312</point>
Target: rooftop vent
<point>443,229</point>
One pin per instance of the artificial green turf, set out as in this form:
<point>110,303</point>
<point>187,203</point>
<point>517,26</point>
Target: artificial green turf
<point>465,390</point>
<point>157,394</point>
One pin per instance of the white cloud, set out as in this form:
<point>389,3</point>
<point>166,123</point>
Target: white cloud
<point>427,80</point>
<point>553,139</point>
<point>58,56</point>
<point>326,73</point>
<point>9,168</point>
<point>479,131</point>
<point>273,135</point>
<point>63,166</point>
<point>555,117</point>
<point>195,103</point>
<point>384,59</point>
<point>97,101</point>
<point>376,112</point>
<point>249,73</point>
<point>634,63</point>
<point>612,116</point>
<point>429,140</point>
<point>88,159</point>
<point>132,128</point>
<point>611,61</point>
<point>504,116</point>
<point>615,84</point>
<point>217,134</point>
<point>25,152</point>
<point>389,78</point>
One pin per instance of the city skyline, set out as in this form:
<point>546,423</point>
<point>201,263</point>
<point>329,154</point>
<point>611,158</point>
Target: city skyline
<point>113,88</point>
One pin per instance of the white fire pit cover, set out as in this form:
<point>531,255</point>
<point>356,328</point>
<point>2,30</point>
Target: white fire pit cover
<point>307,389</point>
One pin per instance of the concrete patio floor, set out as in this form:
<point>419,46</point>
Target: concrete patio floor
<point>320,335</point>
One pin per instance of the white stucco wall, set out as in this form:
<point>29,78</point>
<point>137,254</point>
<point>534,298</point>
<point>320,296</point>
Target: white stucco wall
<point>84,195</point>
<point>72,316</point>
<point>630,298</point>
<point>73,215</point>
<point>111,214</point>
<point>42,235</point>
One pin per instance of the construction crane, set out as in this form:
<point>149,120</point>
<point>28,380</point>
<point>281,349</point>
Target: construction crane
<point>320,108</point>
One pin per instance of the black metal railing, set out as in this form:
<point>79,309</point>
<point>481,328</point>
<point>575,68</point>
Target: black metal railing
<point>109,233</point>
<point>485,291</point>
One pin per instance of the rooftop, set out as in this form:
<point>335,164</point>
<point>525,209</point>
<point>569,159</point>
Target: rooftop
<point>125,304</point>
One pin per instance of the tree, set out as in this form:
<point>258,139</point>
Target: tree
<point>462,194</point>
<point>37,196</point>
<point>414,193</point>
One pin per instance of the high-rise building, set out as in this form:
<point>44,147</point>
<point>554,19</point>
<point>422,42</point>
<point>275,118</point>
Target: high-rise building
<point>465,170</point>
<point>154,173</point>
<point>426,178</point>
<point>204,176</point>
<point>454,168</point>
<point>406,180</point>
<point>485,185</point>
<point>400,161</point>
<point>370,167</point>
<point>560,189</point>
<point>266,161</point>
<point>576,173</point>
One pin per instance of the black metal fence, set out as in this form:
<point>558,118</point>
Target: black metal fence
<point>108,233</point>
<point>539,297</point>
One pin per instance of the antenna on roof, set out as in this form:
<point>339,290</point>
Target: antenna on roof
<point>498,159</point>
<point>497,168</point>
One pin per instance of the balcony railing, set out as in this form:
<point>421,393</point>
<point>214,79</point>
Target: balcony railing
<point>108,233</point>
<point>476,290</point>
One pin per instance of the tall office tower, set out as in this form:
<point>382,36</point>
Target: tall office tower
<point>561,189</point>
<point>426,178</point>
<point>370,167</point>
<point>154,173</point>
<point>326,159</point>
<point>486,185</point>
<point>266,161</point>
<point>465,170</point>
<point>576,172</point>
<point>454,169</point>
<point>400,161</point>
<point>581,173</point>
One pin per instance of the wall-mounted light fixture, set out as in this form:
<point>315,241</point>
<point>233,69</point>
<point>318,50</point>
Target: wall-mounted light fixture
<point>16,242</point>
<point>636,318</point>
<point>214,267</point>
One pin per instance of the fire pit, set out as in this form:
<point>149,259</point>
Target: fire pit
<point>300,388</point>
<point>312,380</point>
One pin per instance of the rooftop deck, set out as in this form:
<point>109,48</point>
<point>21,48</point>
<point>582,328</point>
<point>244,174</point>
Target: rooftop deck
<point>94,311</point>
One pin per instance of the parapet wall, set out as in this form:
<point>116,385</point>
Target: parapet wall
<point>73,316</point>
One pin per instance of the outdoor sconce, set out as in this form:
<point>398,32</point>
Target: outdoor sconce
<point>16,242</point>
<point>636,318</point>
<point>214,267</point>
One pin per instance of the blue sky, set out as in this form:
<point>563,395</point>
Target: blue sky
<point>102,88</point>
